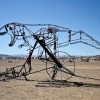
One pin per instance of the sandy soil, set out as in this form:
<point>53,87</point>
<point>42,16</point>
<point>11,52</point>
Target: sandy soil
<point>41,87</point>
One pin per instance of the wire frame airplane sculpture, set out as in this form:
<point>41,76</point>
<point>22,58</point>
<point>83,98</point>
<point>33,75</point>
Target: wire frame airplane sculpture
<point>46,40</point>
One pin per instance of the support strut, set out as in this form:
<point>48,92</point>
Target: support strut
<point>43,44</point>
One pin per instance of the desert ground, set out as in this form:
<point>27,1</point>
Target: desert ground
<point>41,87</point>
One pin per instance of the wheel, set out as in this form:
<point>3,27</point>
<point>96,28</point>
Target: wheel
<point>64,73</point>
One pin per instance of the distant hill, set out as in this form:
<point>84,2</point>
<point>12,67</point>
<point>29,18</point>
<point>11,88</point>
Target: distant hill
<point>19,55</point>
<point>4,55</point>
<point>14,55</point>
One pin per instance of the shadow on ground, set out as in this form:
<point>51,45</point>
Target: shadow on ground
<point>64,83</point>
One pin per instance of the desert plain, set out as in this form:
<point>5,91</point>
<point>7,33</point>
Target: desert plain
<point>41,87</point>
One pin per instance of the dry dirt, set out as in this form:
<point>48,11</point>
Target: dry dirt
<point>41,87</point>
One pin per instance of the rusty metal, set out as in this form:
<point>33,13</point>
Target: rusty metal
<point>47,42</point>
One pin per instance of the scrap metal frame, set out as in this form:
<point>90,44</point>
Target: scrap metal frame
<point>45,37</point>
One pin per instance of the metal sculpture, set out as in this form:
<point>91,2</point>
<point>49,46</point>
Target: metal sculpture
<point>47,42</point>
